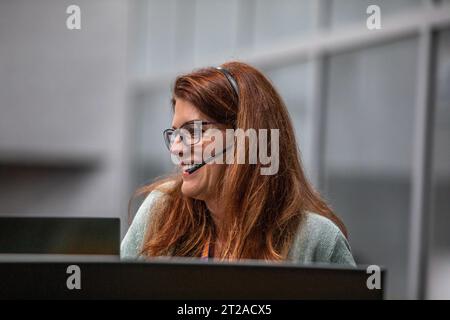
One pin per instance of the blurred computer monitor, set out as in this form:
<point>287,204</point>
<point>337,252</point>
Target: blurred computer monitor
<point>59,236</point>
<point>187,279</point>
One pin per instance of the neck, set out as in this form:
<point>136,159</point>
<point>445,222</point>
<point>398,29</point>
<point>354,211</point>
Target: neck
<point>217,213</point>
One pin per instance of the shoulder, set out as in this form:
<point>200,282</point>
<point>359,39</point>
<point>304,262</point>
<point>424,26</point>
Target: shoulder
<point>132,242</point>
<point>158,194</point>
<point>154,198</point>
<point>319,240</point>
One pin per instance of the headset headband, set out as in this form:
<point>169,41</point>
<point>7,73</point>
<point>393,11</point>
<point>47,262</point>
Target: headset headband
<point>231,80</point>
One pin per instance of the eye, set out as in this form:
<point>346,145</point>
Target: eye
<point>191,129</point>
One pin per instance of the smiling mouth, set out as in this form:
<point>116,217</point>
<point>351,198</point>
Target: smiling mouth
<point>187,166</point>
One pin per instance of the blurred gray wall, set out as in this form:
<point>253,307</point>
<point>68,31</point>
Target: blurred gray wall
<point>62,106</point>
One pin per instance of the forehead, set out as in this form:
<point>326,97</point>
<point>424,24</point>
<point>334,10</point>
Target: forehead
<point>185,111</point>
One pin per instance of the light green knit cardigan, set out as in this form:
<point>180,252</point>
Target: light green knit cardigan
<point>318,240</point>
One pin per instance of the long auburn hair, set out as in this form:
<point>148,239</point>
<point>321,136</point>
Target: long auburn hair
<point>263,212</point>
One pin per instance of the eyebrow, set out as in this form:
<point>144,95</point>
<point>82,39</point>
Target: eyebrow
<point>189,122</point>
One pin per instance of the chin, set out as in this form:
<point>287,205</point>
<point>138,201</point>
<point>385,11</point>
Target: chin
<point>192,190</point>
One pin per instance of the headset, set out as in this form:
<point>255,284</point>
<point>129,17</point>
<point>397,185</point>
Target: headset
<point>235,87</point>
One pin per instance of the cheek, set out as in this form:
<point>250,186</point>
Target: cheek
<point>205,184</point>
<point>215,174</point>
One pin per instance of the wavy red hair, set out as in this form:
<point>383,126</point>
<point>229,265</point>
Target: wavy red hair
<point>264,212</point>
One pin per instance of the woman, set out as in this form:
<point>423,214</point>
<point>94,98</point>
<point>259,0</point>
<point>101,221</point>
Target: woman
<point>231,210</point>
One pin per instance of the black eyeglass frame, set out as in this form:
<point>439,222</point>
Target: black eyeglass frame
<point>167,133</point>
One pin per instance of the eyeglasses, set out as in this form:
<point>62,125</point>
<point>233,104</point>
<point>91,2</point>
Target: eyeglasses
<point>190,133</point>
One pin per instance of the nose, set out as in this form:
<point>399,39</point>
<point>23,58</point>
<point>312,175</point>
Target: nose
<point>177,147</point>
